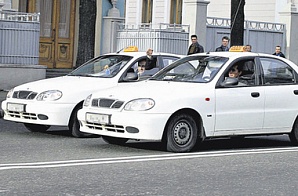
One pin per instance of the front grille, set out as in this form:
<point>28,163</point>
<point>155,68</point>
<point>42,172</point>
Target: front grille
<point>107,103</point>
<point>113,128</point>
<point>24,95</point>
<point>22,115</point>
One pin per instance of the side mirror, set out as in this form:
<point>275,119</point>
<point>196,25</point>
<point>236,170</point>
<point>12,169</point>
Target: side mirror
<point>130,76</point>
<point>228,82</point>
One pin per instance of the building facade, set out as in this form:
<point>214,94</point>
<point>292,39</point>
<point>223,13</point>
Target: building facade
<point>59,20</point>
<point>59,23</point>
<point>191,11</point>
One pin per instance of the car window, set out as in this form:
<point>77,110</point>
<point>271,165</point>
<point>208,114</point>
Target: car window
<point>192,69</point>
<point>167,60</point>
<point>104,66</point>
<point>247,76</point>
<point>148,70</point>
<point>277,72</point>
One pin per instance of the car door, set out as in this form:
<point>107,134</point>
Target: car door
<point>281,95</point>
<point>239,109</point>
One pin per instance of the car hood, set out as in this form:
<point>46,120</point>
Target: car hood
<point>167,90</point>
<point>70,86</point>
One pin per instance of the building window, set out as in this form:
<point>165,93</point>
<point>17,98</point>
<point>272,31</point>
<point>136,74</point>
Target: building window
<point>147,11</point>
<point>176,12</point>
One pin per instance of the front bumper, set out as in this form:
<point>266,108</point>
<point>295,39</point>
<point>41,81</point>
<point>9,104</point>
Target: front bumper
<point>131,125</point>
<point>39,112</point>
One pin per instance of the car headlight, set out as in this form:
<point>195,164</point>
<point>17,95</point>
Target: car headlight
<point>9,94</point>
<point>51,95</point>
<point>139,105</point>
<point>87,101</point>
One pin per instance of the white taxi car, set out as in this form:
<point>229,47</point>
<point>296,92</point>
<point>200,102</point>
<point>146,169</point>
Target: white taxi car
<point>55,101</point>
<point>198,97</point>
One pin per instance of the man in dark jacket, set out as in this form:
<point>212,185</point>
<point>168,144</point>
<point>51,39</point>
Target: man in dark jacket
<point>278,52</point>
<point>195,47</point>
<point>224,45</point>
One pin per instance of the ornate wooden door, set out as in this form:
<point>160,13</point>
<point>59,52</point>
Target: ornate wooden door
<point>57,18</point>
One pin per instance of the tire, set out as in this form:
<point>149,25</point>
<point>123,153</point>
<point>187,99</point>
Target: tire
<point>74,125</point>
<point>294,133</point>
<point>182,133</point>
<point>114,140</point>
<point>36,127</point>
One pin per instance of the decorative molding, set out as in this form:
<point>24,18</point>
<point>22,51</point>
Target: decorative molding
<point>225,22</point>
<point>19,16</point>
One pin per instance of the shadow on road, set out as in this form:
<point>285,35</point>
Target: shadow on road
<point>224,143</point>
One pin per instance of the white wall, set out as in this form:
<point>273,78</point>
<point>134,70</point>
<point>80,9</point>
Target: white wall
<point>255,10</point>
<point>161,11</point>
<point>133,14</point>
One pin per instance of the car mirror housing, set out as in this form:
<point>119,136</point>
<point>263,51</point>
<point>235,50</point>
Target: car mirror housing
<point>228,82</point>
<point>130,77</point>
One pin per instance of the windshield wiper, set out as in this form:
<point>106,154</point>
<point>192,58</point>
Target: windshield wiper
<point>83,75</point>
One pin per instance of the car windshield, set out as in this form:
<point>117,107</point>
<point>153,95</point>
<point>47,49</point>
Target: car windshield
<point>105,66</point>
<point>192,69</point>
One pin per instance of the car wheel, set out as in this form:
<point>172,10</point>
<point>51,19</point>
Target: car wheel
<point>36,127</point>
<point>294,133</point>
<point>182,133</point>
<point>114,140</point>
<point>74,125</point>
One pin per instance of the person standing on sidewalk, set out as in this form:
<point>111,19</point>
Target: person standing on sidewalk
<point>195,47</point>
<point>278,52</point>
<point>224,45</point>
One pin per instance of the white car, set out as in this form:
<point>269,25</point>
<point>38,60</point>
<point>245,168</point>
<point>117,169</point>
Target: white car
<point>196,98</point>
<point>55,101</point>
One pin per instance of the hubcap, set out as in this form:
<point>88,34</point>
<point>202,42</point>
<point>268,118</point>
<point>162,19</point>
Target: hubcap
<point>182,133</point>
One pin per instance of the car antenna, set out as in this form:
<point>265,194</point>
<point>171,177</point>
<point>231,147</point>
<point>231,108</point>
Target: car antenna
<point>120,50</point>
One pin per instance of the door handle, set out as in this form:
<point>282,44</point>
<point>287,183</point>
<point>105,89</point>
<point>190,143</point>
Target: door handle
<point>296,92</point>
<point>255,94</point>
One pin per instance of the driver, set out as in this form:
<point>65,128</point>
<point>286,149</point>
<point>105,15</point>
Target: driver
<point>235,72</point>
<point>141,67</point>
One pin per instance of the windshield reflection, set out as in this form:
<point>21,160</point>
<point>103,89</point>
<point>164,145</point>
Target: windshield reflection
<point>104,66</point>
<point>200,69</point>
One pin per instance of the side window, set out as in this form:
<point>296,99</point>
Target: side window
<point>244,70</point>
<point>248,74</point>
<point>168,60</point>
<point>147,11</point>
<point>277,72</point>
<point>176,12</point>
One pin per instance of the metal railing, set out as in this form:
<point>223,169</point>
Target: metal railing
<point>163,37</point>
<point>263,36</point>
<point>19,38</point>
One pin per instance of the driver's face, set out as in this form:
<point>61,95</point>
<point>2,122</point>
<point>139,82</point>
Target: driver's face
<point>234,72</point>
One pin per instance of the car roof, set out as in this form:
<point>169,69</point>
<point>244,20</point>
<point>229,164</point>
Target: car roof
<point>232,54</point>
<point>143,53</point>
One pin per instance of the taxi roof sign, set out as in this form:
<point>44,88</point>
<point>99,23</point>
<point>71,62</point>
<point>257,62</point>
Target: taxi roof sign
<point>237,49</point>
<point>131,49</point>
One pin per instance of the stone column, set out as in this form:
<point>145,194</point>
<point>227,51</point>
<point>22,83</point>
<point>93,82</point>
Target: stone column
<point>290,17</point>
<point>195,15</point>
<point>110,23</point>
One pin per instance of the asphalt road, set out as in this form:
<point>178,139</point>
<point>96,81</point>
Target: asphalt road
<point>55,163</point>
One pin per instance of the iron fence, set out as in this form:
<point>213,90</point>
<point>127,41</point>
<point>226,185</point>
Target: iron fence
<point>171,38</point>
<point>19,38</point>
